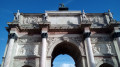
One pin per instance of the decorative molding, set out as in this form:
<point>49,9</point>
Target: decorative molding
<point>100,39</point>
<point>29,40</point>
<point>52,40</point>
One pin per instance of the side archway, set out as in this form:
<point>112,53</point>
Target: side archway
<point>106,65</point>
<point>67,48</point>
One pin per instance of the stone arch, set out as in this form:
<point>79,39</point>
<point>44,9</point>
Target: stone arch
<point>106,62</point>
<point>67,48</point>
<point>59,41</point>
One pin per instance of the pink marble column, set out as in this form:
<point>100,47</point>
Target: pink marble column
<point>116,41</point>
<point>88,48</point>
<point>44,48</point>
<point>9,51</point>
<point>116,35</point>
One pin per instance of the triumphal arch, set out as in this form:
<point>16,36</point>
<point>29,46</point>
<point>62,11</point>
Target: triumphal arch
<point>35,39</point>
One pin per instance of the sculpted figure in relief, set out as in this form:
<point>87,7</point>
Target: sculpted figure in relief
<point>21,51</point>
<point>22,40</point>
<point>96,50</point>
<point>32,20</point>
<point>109,48</point>
<point>26,50</point>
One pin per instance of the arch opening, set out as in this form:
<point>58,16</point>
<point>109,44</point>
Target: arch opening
<point>69,49</point>
<point>63,61</point>
<point>26,66</point>
<point>106,65</point>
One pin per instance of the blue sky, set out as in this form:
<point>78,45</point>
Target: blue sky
<point>8,7</point>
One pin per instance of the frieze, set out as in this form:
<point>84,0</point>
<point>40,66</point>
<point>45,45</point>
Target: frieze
<point>96,19</point>
<point>28,40</point>
<point>32,20</point>
<point>29,26</point>
<point>52,40</point>
<point>100,39</point>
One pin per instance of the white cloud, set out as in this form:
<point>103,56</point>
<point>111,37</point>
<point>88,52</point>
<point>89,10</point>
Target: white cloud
<point>67,65</point>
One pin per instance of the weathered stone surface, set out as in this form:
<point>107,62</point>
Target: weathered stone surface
<point>67,33</point>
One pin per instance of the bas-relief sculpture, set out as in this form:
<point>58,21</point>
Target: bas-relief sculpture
<point>28,50</point>
<point>103,48</point>
<point>20,63</point>
<point>28,46</point>
<point>102,45</point>
<point>96,19</point>
<point>32,20</point>
<point>99,48</point>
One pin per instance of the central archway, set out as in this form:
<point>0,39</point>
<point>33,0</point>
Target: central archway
<point>70,49</point>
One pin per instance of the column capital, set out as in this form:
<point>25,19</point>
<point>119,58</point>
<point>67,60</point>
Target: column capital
<point>116,32</point>
<point>12,35</point>
<point>44,35</point>
<point>86,32</point>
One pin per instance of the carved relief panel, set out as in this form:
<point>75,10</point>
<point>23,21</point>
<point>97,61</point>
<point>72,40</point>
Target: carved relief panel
<point>27,50</point>
<point>22,62</point>
<point>97,21</point>
<point>103,48</point>
<point>102,45</point>
<point>28,46</point>
<point>32,20</point>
